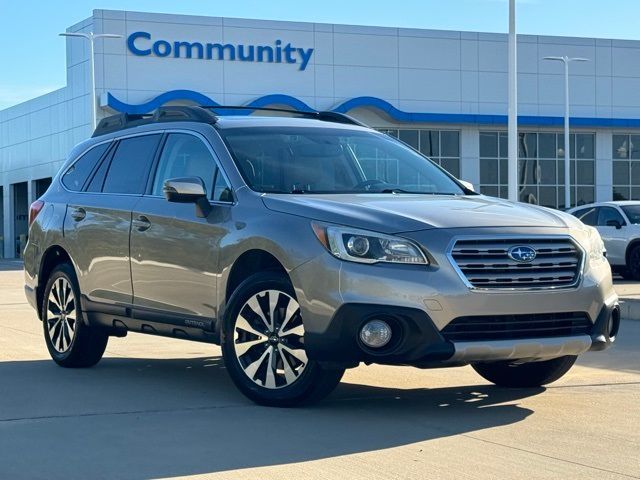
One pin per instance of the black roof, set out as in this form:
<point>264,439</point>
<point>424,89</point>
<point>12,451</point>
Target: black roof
<point>207,114</point>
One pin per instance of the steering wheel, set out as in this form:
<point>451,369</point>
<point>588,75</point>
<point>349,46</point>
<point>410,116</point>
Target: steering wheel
<point>368,183</point>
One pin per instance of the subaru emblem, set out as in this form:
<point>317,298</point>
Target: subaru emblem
<point>522,254</point>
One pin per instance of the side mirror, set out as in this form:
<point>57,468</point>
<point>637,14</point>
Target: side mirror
<point>614,223</point>
<point>467,185</point>
<point>188,190</point>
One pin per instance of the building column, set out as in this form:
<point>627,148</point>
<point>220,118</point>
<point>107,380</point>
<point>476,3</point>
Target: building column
<point>604,166</point>
<point>470,156</point>
<point>9,241</point>
<point>31,192</point>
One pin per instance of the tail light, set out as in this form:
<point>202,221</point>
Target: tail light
<point>34,210</point>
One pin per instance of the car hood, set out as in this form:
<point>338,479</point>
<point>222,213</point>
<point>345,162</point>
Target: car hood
<point>394,213</point>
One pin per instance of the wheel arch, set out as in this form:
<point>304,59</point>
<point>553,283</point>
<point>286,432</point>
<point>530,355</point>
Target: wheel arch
<point>632,244</point>
<point>250,262</point>
<point>55,255</point>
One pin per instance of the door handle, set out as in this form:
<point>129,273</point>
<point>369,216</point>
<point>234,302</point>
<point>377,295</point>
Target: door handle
<point>141,223</point>
<point>78,214</point>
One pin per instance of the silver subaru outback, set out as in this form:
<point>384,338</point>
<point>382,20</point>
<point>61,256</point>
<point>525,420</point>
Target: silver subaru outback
<point>304,244</point>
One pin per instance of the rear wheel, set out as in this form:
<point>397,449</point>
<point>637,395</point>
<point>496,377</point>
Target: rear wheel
<point>263,345</point>
<point>71,343</point>
<point>633,264</point>
<point>530,374</point>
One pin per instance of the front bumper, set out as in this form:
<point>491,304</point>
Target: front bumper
<point>337,296</point>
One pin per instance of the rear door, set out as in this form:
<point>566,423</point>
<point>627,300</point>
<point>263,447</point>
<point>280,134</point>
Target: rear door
<point>174,253</point>
<point>615,239</point>
<point>98,220</point>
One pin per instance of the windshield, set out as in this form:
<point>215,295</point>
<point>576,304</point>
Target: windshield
<point>314,160</point>
<point>632,212</point>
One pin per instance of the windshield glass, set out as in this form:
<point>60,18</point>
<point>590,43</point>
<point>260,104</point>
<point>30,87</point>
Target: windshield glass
<point>633,213</point>
<point>314,160</point>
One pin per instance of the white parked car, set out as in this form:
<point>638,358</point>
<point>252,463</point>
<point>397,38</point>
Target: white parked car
<point>619,226</point>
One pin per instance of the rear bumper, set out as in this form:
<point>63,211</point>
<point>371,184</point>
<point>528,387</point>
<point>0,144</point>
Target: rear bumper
<point>418,342</point>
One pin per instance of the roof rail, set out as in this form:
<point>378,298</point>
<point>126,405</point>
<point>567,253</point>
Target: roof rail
<point>327,116</point>
<point>175,113</point>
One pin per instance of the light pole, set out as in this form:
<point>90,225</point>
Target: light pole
<point>92,38</point>
<point>567,149</point>
<point>512,118</point>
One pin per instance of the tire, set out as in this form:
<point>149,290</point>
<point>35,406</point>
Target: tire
<point>265,357</point>
<point>633,264</point>
<point>70,341</point>
<point>531,374</point>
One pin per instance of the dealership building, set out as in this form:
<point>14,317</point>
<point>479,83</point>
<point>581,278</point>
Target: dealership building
<point>443,92</point>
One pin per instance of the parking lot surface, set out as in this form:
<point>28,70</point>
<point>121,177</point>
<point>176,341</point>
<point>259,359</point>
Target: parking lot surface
<point>163,408</point>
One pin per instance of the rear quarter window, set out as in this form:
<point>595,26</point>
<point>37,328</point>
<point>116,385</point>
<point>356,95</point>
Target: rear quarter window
<point>76,175</point>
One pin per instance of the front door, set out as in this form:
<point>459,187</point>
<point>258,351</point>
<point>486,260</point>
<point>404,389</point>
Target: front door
<point>174,253</point>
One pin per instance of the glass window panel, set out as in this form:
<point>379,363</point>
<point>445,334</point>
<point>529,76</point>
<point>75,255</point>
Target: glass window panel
<point>504,145</point>
<point>547,172</point>
<point>560,170</point>
<point>76,175</point>
<point>547,145</point>
<point>572,143</point>
<point>548,196</point>
<point>606,214</point>
<point>585,195</point>
<point>621,193</point>
<point>130,165</point>
<point>635,193</point>
<point>490,191</point>
<point>489,144</point>
<point>634,146</point>
<point>620,146</point>
<point>527,145</point>
<point>504,192</point>
<point>450,144</point>
<point>620,172</point>
<point>410,137</point>
<point>488,171</point>
<point>560,145</point>
<point>585,172</point>
<point>525,171</point>
<point>635,173</point>
<point>529,194</point>
<point>588,216</point>
<point>584,145</point>
<point>451,165</point>
<point>504,170</point>
<point>429,143</point>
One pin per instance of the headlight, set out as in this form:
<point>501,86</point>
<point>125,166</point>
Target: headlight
<point>595,245</point>
<point>367,247</point>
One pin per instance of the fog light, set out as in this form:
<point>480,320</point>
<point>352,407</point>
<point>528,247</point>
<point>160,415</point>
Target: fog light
<point>375,333</point>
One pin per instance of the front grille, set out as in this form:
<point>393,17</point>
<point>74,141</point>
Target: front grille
<point>512,327</point>
<point>485,263</point>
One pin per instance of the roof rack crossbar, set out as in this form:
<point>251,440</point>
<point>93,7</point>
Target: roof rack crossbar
<point>327,116</point>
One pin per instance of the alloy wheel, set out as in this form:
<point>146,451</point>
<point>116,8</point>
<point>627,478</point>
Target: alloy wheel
<point>268,339</point>
<point>61,315</point>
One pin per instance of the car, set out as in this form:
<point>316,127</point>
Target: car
<point>305,243</point>
<point>619,225</point>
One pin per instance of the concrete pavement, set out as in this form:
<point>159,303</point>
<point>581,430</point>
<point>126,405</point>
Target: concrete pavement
<point>162,408</point>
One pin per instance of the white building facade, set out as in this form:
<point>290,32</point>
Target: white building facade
<point>443,92</point>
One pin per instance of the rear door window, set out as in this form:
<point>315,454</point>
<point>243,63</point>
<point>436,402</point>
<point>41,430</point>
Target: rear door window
<point>76,175</point>
<point>130,165</point>
<point>608,214</point>
<point>588,216</point>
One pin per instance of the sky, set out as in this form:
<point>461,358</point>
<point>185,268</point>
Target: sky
<point>33,56</point>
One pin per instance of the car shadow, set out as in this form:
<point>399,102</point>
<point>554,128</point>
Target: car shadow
<point>142,419</point>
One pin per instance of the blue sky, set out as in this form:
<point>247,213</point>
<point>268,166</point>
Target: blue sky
<point>33,56</point>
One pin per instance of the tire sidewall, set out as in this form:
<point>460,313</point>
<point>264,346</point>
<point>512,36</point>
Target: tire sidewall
<point>288,395</point>
<point>62,271</point>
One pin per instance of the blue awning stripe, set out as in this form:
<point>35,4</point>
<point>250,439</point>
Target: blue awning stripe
<point>377,103</point>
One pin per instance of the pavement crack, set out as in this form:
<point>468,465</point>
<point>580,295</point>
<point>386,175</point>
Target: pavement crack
<point>499,444</point>
<point>126,412</point>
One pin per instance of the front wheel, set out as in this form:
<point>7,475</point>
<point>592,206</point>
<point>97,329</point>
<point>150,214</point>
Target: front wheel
<point>529,374</point>
<point>263,345</point>
<point>71,343</point>
<point>633,264</point>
